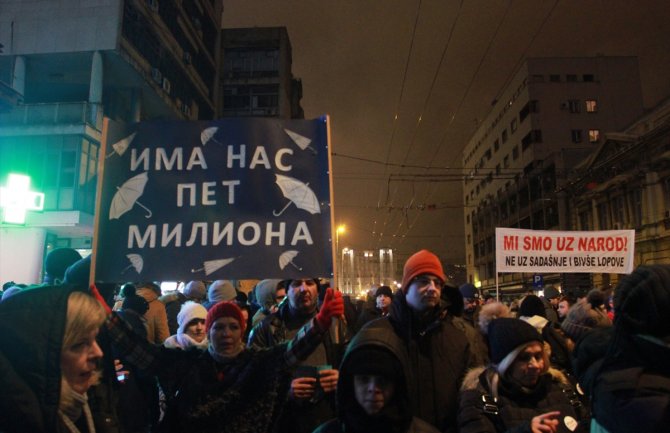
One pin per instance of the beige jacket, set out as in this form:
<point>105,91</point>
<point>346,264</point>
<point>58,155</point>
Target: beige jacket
<point>156,317</point>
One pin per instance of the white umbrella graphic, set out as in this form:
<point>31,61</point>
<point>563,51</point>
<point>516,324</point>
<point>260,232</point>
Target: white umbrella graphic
<point>286,258</point>
<point>127,196</point>
<point>136,261</point>
<point>300,140</point>
<point>212,266</point>
<point>208,134</point>
<point>298,193</point>
<point>121,145</point>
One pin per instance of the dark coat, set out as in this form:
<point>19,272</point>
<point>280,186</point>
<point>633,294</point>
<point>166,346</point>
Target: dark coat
<point>417,426</point>
<point>632,388</point>
<point>173,303</point>
<point>298,416</point>
<point>367,315</point>
<point>516,407</point>
<point>438,357</point>
<point>30,351</point>
<point>244,394</point>
<point>396,416</point>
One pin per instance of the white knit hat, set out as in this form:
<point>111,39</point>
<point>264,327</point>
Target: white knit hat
<point>190,310</point>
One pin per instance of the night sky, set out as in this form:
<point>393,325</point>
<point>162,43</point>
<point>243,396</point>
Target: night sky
<point>370,62</point>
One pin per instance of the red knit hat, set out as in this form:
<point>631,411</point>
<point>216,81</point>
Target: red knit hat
<point>225,309</point>
<point>423,262</point>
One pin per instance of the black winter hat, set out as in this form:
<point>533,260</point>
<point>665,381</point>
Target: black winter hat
<point>551,292</point>
<point>79,272</point>
<point>374,361</point>
<point>469,291</point>
<point>384,290</point>
<point>136,303</point>
<point>642,302</point>
<point>531,306</point>
<point>57,262</point>
<point>506,334</point>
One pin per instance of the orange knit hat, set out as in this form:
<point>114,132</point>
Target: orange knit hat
<point>423,262</point>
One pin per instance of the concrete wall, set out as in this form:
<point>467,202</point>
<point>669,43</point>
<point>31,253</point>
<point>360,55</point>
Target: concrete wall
<point>48,26</point>
<point>21,253</point>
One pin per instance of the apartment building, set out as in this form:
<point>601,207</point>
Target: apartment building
<point>553,113</point>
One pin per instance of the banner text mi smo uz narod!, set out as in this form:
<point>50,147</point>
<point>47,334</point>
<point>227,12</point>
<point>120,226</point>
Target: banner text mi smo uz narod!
<point>538,251</point>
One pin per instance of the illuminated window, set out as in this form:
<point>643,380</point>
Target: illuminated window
<point>591,105</point>
<point>594,135</point>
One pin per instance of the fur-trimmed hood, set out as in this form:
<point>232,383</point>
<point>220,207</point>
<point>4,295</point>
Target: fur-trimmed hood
<point>471,380</point>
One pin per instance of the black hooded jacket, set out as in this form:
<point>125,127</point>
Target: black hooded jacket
<point>30,352</point>
<point>438,356</point>
<point>396,417</point>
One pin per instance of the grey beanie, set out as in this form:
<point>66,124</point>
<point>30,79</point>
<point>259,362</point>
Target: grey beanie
<point>581,318</point>
<point>221,290</point>
<point>195,290</point>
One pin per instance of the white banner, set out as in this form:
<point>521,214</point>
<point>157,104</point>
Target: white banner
<point>539,251</point>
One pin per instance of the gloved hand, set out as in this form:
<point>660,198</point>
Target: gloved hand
<point>333,306</point>
<point>96,294</point>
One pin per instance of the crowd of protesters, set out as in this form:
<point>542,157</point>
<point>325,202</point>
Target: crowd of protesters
<point>296,356</point>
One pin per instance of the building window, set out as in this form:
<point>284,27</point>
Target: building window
<point>574,105</point>
<point>526,141</point>
<point>591,106</point>
<point>576,135</point>
<point>555,78</point>
<point>504,136</point>
<point>588,78</point>
<point>538,78</point>
<point>512,125</point>
<point>585,220</point>
<point>635,199</point>
<point>515,153</point>
<point>571,78</point>
<point>496,145</point>
<point>488,154</point>
<point>594,135</point>
<point>506,161</point>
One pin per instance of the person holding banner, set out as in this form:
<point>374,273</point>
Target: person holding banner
<point>312,394</point>
<point>226,388</point>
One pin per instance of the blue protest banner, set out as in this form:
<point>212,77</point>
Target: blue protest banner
<point>233,198</point>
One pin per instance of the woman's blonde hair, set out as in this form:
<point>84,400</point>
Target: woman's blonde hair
<point>84,315</point>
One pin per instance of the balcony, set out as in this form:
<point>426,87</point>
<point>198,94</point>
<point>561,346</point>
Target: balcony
<point>52,114</point>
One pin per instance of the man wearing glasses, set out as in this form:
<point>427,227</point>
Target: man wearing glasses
<point>439,353</point>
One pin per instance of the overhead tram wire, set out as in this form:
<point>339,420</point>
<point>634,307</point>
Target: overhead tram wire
<point>397,108</point>
<point>512,72</point>
<point>430,91</point>
<point>431,189</point>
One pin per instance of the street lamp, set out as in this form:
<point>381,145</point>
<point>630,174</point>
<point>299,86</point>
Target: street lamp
<point>340,229</point>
